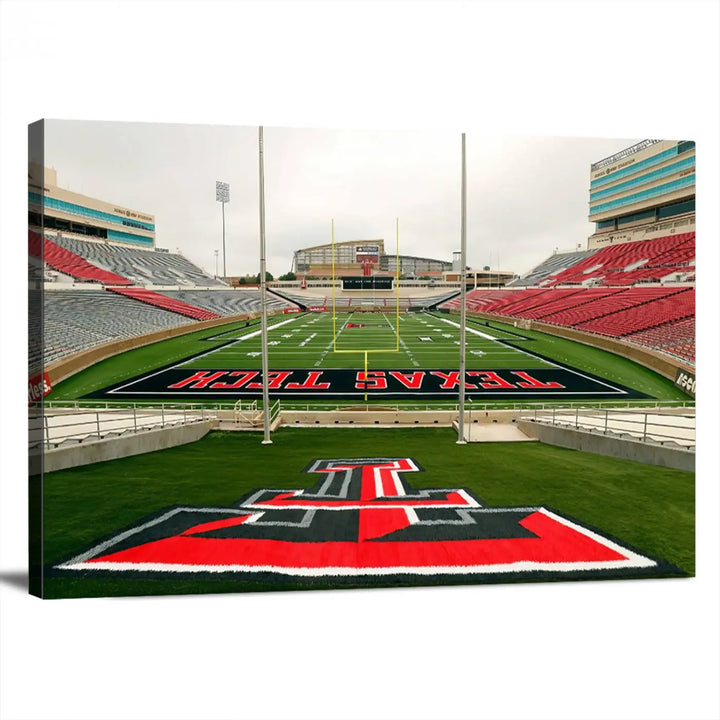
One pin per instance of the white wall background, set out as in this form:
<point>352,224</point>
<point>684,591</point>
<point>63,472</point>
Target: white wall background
<point>587,650</point>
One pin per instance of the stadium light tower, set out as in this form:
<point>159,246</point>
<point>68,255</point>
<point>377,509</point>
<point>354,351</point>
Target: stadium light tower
<point>222,195</point>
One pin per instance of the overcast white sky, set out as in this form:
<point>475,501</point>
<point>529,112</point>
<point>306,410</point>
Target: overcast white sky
<point>526,195</point>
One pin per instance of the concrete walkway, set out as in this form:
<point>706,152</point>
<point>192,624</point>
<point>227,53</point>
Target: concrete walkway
<point>493,432</point>
<point>65,425</point>
<point>666,427</point>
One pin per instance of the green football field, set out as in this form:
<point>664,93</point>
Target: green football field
<point>321,340</point>
<point>646,508</point>
<point>379,342</point>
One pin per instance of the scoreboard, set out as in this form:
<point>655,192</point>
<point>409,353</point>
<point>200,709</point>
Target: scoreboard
<point>370,251</point>
<point>367,283</point>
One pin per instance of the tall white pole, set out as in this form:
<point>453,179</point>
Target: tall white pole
<point>263,290</point>
<point>223,216</point>
<point>463,292</point>
<point>222,195</point>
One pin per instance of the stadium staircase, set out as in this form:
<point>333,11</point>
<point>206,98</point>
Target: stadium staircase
<point>166,303</point>
<point>62,260</point>
<point>548,268</point>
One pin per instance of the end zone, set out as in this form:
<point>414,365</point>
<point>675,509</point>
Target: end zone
<point>490,384</point>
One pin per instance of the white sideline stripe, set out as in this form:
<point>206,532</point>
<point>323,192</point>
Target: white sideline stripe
<point>616,391</point>
<point>468,329</point>
<point>195,357</point>
<point>253,334</point>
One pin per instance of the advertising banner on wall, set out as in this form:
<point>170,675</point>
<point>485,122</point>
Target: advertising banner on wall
<point>38,387</point>
<point>685,381</point>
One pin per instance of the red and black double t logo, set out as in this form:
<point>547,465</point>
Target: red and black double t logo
<point>362,518</point>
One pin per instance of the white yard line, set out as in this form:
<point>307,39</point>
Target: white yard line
<point>231,345</point>
<point>494,339</point>
<point>329,347</point>
<point>537,359</point>
<point>409,354</point>
<point>468,329</point>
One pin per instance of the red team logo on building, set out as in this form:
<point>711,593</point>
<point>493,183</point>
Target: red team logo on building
<point>362,518</point>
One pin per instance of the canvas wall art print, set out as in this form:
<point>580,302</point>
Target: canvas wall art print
<point>268,359</point>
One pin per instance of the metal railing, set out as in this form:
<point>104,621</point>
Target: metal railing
<point>374,406</point>
<point>51,430</point>
<point>622,154</point>
<point>639,420</point>
<point>275,409</point>
<point>301,405</point>
<point>638,424</point>
<point>246,412</point>
<point>139,405</point>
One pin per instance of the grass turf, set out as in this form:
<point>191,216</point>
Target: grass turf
<point>600,362</point>
<point>306,341</point>
<point>649,508</point>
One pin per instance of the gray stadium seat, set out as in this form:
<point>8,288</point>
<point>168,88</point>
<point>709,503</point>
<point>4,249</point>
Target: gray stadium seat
<point>76,320</point>
<point>142,267</point>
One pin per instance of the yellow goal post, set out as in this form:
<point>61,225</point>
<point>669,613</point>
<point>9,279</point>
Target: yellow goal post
<point>397,299</point>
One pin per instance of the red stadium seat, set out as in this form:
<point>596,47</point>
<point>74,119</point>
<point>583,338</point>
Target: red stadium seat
<point>67,262</point>
<point>166,303</point>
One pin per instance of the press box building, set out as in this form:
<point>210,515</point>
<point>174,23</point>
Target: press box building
<point>362,257</point>
<point>643,192</point>
<point>71,212</point>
